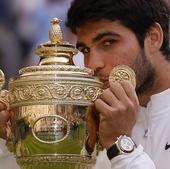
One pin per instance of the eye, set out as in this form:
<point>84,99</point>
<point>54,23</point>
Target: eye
<point>84,50</point>
<point>108,42</point>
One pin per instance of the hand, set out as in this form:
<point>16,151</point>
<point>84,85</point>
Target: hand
<point>118,110</point>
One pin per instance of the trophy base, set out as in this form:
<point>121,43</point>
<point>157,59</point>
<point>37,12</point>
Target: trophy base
<point>69,161</point>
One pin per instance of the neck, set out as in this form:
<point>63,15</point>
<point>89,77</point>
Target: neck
<point>161,81</point>
<point>144,98</point>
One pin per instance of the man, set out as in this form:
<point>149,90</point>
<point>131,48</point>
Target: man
<point>133,33</point>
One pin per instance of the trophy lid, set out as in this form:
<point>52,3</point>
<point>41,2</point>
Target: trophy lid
<point>55,52</point>
<point>56,79</point>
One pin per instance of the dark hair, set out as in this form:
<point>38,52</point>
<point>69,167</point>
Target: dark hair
<point>137,15</point>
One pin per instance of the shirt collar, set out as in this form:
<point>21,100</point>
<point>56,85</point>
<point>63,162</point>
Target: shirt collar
<point>158,104</point>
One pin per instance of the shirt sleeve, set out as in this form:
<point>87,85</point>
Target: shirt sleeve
<point>7,159</point>
<point>136,160</point>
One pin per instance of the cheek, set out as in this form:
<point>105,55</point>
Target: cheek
<point>111,62</point>
<point>86,61</point>
<point>123,58</point>
<point>125,52</point>
<point>115,60</point>
<point>127,57</point>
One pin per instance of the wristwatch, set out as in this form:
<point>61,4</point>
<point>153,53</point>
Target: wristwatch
<point>123,145</point>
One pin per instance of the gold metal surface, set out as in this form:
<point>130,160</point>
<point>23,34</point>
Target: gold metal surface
<point>3,93</point>
<point>4,98</point>
<point>60,161</point>
<point>53,90</point>
<point>123,72</point>
<point>50,102</point>
<point>55,34</point>
<point>55,51</point>
<point>2,79</point>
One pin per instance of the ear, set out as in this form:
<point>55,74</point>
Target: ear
<point>154,38</point>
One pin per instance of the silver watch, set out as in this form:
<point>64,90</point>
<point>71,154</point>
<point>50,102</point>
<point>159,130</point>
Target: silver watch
<point>123,145</point>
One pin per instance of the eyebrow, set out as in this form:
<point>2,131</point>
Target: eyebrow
<point>98,37</point>
<point>103,34</point>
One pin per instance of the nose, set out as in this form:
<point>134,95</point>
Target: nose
<point>94,60</point>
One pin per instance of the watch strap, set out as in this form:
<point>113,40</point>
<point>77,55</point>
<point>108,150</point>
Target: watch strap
<point>113,151</point>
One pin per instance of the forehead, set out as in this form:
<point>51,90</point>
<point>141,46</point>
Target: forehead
<point>92,29</point>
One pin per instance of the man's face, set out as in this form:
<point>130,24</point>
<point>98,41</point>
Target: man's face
<point>106,44</point>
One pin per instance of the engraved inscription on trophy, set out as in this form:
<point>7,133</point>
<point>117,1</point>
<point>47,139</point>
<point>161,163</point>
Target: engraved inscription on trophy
<point>51,129</point>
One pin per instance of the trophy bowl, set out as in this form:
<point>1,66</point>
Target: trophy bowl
<point>48,105</point>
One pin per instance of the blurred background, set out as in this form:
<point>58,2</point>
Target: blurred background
<point>23,25</point>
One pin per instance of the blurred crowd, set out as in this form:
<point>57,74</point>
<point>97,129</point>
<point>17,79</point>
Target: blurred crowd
<point>23,25</point>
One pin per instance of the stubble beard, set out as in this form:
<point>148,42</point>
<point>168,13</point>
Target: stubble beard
<point>145,74</point>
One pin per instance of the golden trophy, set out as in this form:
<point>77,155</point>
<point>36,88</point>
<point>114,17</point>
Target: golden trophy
<point>48,103</point>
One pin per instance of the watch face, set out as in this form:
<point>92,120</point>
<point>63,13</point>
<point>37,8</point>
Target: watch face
<point>126,144</point>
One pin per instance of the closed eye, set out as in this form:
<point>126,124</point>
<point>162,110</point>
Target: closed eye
<point>108,42</point>
<point>84,50</point>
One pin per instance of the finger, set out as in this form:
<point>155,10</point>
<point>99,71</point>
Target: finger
<point>109,98</point>
<point>2,106</point>
<point>103,109</point>
<point>119,92</point>
<point>4,117</point>
<point>3,132</point>
<point>130,91</point>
